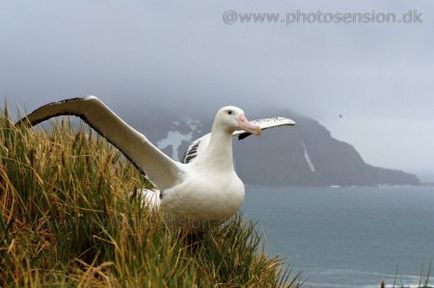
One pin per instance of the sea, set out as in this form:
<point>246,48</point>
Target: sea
<point>347,236</point>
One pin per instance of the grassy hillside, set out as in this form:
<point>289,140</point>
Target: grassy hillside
<point>68,219</point>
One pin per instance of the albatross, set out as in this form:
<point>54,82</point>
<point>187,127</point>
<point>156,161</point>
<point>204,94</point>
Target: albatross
<point>201,190</point>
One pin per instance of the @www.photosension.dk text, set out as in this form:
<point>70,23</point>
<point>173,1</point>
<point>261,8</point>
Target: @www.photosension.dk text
<point>231,17</point>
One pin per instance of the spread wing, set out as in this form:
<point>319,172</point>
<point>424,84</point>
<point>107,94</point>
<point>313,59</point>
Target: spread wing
<point>198,145</point>
<point>158,167</point>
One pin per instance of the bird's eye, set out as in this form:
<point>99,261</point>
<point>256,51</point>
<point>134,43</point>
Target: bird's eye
<point>230,112</point>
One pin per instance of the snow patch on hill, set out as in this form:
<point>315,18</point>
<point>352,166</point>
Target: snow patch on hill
<point>307,158</point>
<point>176,136</point>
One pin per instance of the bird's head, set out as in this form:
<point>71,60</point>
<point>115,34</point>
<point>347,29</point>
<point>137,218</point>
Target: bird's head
<point>232,118</point>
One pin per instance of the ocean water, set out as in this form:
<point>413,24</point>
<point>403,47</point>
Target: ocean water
<point>347,237</point>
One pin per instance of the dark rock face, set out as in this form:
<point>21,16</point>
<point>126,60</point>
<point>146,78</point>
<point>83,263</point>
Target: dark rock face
<point>304,155</point>
<point>308,155</point>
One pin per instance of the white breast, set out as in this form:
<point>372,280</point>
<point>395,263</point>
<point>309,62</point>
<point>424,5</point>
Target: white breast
<point>204,198</point>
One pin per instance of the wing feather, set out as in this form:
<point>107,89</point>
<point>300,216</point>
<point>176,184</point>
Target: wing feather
<point>158,167</point>
<point>196,148</point>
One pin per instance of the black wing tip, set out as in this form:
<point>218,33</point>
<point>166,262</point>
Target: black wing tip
<point>243,136</point>
<point>26,122</point>
<point>23,122</point>
<point>80,98</point>
<point>73,99</point>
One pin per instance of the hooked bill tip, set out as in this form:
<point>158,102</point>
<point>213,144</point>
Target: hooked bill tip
<point>258,131</point>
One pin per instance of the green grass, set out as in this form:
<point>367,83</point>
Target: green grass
<point>67,219</point>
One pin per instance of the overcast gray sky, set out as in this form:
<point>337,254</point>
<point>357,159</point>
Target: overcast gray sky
<point>379,77</point>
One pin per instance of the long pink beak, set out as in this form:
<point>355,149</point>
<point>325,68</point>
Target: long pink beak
<point>244,124</point>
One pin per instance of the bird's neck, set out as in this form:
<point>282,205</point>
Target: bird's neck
<point>219,150</point>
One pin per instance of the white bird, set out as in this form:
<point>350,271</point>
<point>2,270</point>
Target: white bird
<point>204,188</point>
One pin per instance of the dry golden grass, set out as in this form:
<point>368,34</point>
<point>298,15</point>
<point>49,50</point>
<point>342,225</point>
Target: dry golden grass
<point>68,220</point>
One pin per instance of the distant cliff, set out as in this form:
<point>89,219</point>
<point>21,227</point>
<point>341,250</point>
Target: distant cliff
<point>308,155</point>
<point>304,155</point>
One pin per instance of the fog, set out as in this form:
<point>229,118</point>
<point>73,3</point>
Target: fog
<point>371,84</point>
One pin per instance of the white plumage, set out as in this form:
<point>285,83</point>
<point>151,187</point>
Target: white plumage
<point>202,190</point>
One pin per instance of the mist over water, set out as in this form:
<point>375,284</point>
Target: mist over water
<point>185,57</point>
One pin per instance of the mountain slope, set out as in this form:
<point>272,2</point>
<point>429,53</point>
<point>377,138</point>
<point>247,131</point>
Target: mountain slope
<point>308,155</point>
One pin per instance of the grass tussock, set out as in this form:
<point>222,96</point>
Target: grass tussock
<point>67,219</point>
